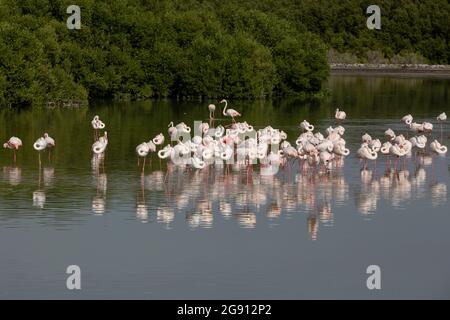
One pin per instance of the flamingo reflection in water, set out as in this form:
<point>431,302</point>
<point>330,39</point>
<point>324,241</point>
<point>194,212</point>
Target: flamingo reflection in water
<point>13,175</point>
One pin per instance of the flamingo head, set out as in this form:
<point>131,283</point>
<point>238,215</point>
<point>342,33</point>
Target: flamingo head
<point>5,145</point>
<point>223,101</point>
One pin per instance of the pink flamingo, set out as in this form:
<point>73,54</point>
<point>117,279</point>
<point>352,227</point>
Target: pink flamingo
<point>13,143</point>
<point>230,112</point>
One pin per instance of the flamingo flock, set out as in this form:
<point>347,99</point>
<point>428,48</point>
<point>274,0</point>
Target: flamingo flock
<point>398,146</point>
<point>240,145</point>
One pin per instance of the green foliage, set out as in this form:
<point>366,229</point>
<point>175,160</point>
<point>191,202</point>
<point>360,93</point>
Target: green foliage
<point>139,49</point>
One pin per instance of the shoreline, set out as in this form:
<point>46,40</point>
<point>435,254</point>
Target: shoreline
<point>390,69</point>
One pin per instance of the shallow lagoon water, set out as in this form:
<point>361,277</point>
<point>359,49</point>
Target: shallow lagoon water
<point>203,234</point>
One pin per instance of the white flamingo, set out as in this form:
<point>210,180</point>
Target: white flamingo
<point>97,125</point>
<point>366,138</point>
<point>419,141</point>
<point>389,134</point>
<point>40,145</point>
<point>407,119</point>
<point>366,153</point>
<point>143,150</point>
<point>340,115</point>
<point>99,147</point>
<point>306,126</point>
<point>438,148</point>
<point>212,109</point>
<point>397,151</point>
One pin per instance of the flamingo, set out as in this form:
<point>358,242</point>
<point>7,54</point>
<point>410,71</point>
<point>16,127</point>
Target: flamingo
<point>143,150</point>
<point>427,127</point>
<point>14,144</point>
<point>419,142</point>
<point>438,148</point>
<point>172,131</point>
<point>203,128</point>
<point>306,126</point>
<point>389,134</point>
<point>230,112</point>
<point>158,141</point>
<point>212,109</point>
<point>197,163</point>
<point>407,119</point>
<point>366,153</point>
<point>50,144</point>
<point>97,124</point>
<point>340,115</point>
<point>416,127</point>
<point>326,158</point>
<point>366,138</point>
<point>99,147</point>
<point>40,145</point>
<point>397,151</point>
<point>375,145</point>
<point>441,118</point>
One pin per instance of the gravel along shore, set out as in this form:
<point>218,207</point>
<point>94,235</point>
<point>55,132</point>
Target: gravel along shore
<point>404,69</point>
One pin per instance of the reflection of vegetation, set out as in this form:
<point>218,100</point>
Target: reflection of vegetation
<point>377,96</point>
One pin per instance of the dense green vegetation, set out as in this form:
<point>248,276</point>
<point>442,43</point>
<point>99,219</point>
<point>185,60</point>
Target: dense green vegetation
<point>137,49</point>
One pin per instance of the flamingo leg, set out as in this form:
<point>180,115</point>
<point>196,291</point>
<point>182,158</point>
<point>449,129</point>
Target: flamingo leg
<point>143,166</point>
<point>14,156</point>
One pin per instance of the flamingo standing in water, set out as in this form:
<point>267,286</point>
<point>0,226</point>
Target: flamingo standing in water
<point>389,134</point>
<point>99,146</point>
<point>441,118</point>
<point>340,115</point>
<point>212,109</point>
<point>143,150</point>
<point>438,148</point>
<point>97,124</point>
<point>172,131</point>
<point>14,144</point>
<point>158,141</point>
<point>230,112</point>
<point>40,145</point>
<point>407,119</point>
<point>366,153</point>
<point>50,144</point>
<point>397,150</point>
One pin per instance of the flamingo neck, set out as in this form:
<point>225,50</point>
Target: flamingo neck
<point>226,104</point>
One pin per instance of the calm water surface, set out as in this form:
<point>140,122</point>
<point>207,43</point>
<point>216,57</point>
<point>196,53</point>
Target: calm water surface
<point>206,235</point>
